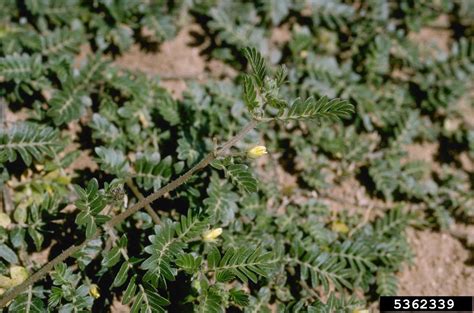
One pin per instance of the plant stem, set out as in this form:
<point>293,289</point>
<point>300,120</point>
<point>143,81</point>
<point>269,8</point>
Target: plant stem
<point>183,178</point>
<point>138,194</point>
<point>12,293</point>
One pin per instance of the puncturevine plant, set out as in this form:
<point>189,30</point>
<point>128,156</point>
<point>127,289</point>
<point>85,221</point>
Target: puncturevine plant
<point>182,209</point>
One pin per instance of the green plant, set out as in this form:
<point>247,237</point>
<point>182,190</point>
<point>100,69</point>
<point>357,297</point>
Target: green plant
<point>342,99</point>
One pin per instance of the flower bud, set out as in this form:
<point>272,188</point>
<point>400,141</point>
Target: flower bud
<point>340,227</point>
<point>257,152</point>
<point>212,234</point>
<point>94,291</point>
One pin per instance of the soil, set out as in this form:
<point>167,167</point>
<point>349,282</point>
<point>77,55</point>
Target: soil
<point>441,266</point>
<point>443,262</point>
<point>434,38</point>
<point>175,62</point>
<point>175,58</point>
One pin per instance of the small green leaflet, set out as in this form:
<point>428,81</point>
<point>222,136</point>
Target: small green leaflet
<point>91,203</point>
<point>322,108</point>
<point>222,202</point>
<point>8,254</point>
<point>245,263</point>
<point>242,177</point>
<point>257,63</point>
<point>250,96</point>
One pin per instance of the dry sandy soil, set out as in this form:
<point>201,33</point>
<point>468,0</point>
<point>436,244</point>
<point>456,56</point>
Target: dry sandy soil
<point>443,266</point>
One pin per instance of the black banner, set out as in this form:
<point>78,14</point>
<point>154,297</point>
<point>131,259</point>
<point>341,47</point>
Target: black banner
<point>426,304</point>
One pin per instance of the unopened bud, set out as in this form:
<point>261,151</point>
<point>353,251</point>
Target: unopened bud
<point>257,152</point>
<point>212,234</point>
<point>94,291</point>
<point>340,227</point>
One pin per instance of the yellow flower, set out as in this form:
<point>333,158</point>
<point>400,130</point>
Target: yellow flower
<point>212,234</point>
<point>94,291</point>
<point>360,311</point>
<point>340,227</point>
<point>257,152</point>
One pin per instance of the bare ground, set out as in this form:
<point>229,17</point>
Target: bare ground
<point>440,268</point>
<point>175,62</point>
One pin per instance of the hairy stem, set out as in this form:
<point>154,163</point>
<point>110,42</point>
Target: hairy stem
<point>116,220</point>
<point>138,194</point>
<point>12,293</point>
